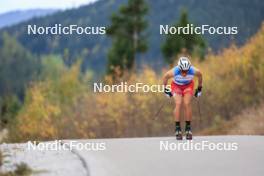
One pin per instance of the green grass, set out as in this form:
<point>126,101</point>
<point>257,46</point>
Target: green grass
<point>22,169</point>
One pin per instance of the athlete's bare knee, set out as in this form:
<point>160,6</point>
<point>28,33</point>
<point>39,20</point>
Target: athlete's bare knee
<point>187,104</point>
<point>178,104</point>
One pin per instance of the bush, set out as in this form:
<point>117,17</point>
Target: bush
<point>234,79</point>
<point>22,169</point>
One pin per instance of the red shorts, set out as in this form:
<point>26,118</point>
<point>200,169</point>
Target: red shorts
<point>182,89</point>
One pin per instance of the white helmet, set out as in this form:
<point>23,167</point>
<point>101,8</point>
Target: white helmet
<point>184,63</point>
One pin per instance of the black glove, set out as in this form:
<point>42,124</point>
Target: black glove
<point>168,92</point>
<point>198,91</point>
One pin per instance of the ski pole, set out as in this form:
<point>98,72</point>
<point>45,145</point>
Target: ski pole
<point>159,110</point>
<point>199,111</point>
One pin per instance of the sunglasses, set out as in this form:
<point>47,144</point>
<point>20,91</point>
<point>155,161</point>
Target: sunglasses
<point>184,71</point>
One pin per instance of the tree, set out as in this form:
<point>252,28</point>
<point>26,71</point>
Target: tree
<point>127,33</point>
<point>174,44</point>
<point>18,68</point>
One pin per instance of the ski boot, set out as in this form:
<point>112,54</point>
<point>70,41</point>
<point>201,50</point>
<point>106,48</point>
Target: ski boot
<point>188,134</point>
<point>178,134</point>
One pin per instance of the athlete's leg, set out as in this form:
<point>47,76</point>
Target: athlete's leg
<point>178,103</point>
<point>187,98</point>
<point>188,114</point>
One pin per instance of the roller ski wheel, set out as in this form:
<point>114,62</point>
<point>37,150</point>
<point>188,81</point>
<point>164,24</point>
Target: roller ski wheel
<point>188,135</point>
<point>178,135</point>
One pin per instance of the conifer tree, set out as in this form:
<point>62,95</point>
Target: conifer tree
<point>128,37</point>
<point>174,44</point>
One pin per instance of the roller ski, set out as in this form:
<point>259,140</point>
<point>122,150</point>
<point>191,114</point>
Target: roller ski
<point>188,135</point>
<point>188,132</point>
<point>178,134</point>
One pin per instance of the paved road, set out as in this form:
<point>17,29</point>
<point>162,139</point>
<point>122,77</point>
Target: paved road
<point>242,155</point>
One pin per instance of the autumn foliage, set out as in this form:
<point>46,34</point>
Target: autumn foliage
<point>63,104</point>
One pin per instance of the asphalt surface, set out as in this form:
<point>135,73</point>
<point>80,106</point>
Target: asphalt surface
<point>220,155</point>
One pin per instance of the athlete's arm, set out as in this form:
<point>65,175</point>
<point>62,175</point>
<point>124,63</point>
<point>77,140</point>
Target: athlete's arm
<point>198,73</point>
<point>167,76</point>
